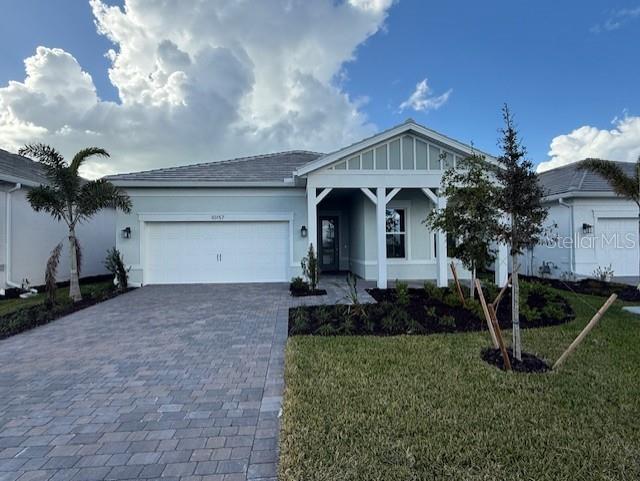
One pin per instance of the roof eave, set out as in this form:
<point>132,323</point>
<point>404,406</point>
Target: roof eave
<point>188,183</point>
<point>579,194</point>
<point>19,180</point>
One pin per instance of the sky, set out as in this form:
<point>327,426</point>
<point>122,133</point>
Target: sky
<point>161,83</point>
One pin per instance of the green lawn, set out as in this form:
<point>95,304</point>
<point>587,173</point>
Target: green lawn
<point>8,306</point>
<point>428,408</point>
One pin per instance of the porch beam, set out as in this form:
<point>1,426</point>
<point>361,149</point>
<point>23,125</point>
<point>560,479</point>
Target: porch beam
<point>370,195</point>
<point>312,217</point>
<point>323,194</point>
<point>429,193</point>
<point>441,247</point>
<point>392,194</point>
<point>381,231</point>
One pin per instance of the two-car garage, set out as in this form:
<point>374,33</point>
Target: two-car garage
<point>180,252</point>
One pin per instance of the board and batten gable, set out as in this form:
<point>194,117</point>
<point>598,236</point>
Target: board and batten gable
<point>211,204</point>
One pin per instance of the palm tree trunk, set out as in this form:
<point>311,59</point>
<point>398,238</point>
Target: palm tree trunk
<point>74,281</point>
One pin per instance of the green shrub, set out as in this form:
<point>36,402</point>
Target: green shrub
<point>402,293</point>
<point>298,286</point>
<point>326,330</point>
<point>300,322</point>
<point>432,291</point>
<point>452,299</point>
<point>323,315</point>
<point>414,327</point>
<point>310,268</point>
<point>395,321</point>
<point>115,264</point>
<point>430,312</point>
<point>448,321</point>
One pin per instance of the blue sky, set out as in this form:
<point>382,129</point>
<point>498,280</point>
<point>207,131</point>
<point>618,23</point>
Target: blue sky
<point>559,65</point>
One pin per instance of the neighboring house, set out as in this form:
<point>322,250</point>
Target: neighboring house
<point>252,219</point>
<point>589,226</point>
<point>27,237</point>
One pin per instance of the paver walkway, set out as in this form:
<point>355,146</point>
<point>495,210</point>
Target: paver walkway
<point>165,382</point>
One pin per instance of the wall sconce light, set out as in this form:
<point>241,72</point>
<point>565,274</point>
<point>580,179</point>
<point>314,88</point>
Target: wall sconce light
<point>126,233</point>
<point>303,231</point>
<point>587,228</point>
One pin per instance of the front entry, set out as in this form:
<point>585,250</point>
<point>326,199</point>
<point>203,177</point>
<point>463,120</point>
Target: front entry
<point>328,256</point>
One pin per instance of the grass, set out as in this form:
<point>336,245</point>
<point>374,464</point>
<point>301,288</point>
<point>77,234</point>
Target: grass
<point>8,306</point>
<point>428,408</point>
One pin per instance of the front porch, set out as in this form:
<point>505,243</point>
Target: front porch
<point>377,242</point>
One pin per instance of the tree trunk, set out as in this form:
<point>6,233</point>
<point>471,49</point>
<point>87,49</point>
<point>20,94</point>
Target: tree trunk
<point>515,308</point>
<point>472,290</point>
<point>74,281</point>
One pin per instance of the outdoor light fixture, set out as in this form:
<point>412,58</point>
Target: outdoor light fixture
<point>126,233</point>
<point>303,231</point>
<point>587,228</point>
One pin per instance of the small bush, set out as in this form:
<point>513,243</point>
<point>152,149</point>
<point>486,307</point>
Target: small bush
<point>402,293</point>
<point>432,291</point>
<point>300,322</point>
<point>115,264</point>
<point>395,321</point>
<point>448,322</point>
<point>310,268</point>
<point>298,286</point>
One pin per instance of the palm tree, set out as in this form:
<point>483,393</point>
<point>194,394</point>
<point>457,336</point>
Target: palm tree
<point>70,198</point>
<point>622,184</point>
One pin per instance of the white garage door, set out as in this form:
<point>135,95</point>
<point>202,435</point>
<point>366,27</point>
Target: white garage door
<point>617,245</point>
<point>211,252</point>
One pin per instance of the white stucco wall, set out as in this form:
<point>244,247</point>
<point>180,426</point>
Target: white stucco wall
<point>34,235</point>
<point>213,201</point>
<point>572,240</point>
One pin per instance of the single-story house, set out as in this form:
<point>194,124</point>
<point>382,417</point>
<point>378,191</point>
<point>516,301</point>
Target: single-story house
<point>588,227</point>
<point>28,237</point>
<point>252,219</point>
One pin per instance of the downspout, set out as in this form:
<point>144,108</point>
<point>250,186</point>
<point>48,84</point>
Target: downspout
<point>572,227</point>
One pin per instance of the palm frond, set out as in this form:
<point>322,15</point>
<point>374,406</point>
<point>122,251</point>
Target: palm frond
<point>622,184</point>
<point>49,157</point>
<point>100,194</point>
<point>84,154</point>
<point>47,199</point>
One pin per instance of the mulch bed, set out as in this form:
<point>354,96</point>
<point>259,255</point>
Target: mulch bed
<point>38,315</point>
<point>530,362</point>
<point>592,287</point>
<point>308,293</point>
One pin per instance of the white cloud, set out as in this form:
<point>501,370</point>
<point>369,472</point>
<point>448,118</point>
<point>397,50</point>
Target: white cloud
<point>422,100</point>
<point>200,82</point>
<point>620,143</point>
<point>616,19</point>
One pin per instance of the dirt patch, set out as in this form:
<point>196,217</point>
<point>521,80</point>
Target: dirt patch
<point>530,362</point>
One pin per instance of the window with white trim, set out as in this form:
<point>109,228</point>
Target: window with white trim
<point>396,233</point>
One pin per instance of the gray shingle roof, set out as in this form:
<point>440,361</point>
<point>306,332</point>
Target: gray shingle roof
<point>16,168</point>
<point>267,168</point>
<point>568,179</point>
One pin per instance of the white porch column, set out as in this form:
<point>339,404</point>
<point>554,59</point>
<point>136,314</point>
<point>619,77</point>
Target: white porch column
<point>312,217</point>
<point>381,230</point>
<point>502,265</point>
<point>441,249</point>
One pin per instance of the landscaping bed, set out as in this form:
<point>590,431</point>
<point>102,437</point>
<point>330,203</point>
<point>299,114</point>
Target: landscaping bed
<point>427,311</point>
<point>428,407</point>
<point>529,363</point>
<point>19,315</point>
<point>593,287</point>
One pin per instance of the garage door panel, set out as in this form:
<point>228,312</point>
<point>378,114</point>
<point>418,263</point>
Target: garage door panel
<point>211,252</point>
<point>617,245</point>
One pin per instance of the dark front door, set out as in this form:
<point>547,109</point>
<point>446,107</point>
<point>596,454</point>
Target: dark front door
<point>329,245</point>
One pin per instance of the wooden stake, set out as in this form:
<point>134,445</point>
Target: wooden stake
<point>485,309</point>
<point>592,323</point>
<point>501,293</point>
<point>503,348</point>
<point>455,278</point>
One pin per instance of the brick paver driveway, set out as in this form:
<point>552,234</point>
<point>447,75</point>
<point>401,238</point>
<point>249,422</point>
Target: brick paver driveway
<point>165,382</point>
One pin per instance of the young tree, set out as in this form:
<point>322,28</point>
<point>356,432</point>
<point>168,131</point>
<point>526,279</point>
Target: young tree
<point>623,185</point>
<point>470,216</point>
<point>70,198</point>
<point>520,200</point>
<point>310,268</point>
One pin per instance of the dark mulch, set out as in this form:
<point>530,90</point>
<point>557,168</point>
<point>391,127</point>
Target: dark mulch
<point>592,287</point>
<point>530,362</point>
<point>307,293</point>
<point>38,315</point>
<point>426,312</point>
